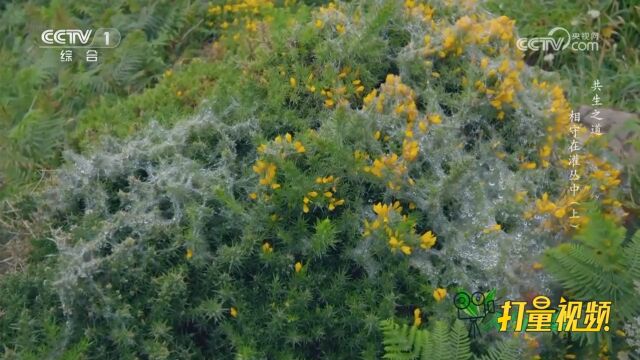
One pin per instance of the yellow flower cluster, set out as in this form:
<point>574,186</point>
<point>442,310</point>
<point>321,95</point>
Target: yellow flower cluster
<point>395,95</point>
<point>559,209</point>
<point>395,242</point>
<point>506,84</point>
<point>283,146</point>
<point>417,317</point>
<point>267,248</point>
<point>419,10</point>
<point>397,229</point>
<point>596,175</point>
<point>502,80</point>
<point>427,240</point>
<point>386,163</point>
<point>240,16</point>
<point>602,177</point>
<point>344,89</point>
<point>390,167</point>
<point>398,99</point>
<point>322,194</point>
<point>472,30</point>
<point>267,171</point>
<point>332,18</point>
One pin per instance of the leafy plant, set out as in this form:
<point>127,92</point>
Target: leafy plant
<point>600,265</point>
<point>440,342</point>
<point>404,342</point>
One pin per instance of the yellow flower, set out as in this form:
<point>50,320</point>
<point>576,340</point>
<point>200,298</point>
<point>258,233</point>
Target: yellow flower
<point>233,312</point>
<point>439,294</point>
<point>544,205</point>
<point>329,103</point>
<point>312,193</point>
<point>267,170</point>
<point>299,147</point>
<point>492,228</point>
<point>545,151</point>
<point>319,24</point>
<point>380,105</point>
<point>253,196</point>
<point>537,266</point>
<point>406,249</point>
<point>293,81</point>
<point>435,118</point>
<point>394,242</point>
<point>484,63</point>
<point>560,213</point>
<point>189,254</point>
<point>449,41</point>
<point>422,126</point>
<point>298,266</point>
<point>370,96</point>
<point>427,240</point>
<point>504,66</point>
<point>417,318</point>
<point>410,150</point>
<point>528,166</point>
<point>384,211</point>
<point>464,23</point>
<point>266,248</point>
<point>340,29</point>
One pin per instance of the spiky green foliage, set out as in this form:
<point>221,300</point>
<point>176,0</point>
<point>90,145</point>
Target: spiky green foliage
<point>441,342</point>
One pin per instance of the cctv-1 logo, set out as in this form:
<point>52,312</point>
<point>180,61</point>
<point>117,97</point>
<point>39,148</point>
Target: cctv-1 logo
<point>102,38</point>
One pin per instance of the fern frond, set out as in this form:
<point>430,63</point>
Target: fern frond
<point>439,343</point>
<point>504,350</point>
<point>632,256</point>
<point>459,341</point>
<point>401,342</point>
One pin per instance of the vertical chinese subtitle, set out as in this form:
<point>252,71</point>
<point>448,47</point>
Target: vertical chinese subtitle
<point>575,148</point>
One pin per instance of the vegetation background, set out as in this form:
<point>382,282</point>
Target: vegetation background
<point>293,180</point>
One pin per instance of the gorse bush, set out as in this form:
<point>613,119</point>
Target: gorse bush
<point>350,159</point>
